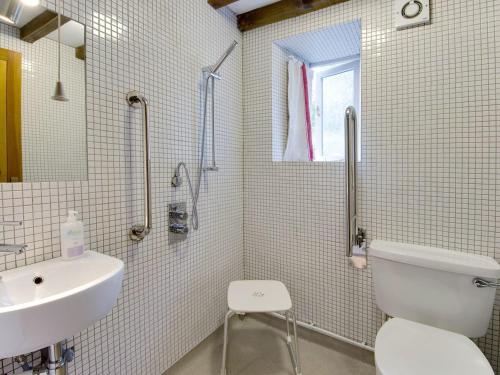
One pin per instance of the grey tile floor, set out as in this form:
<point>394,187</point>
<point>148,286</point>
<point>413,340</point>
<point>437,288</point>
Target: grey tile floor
<point>257,347</point>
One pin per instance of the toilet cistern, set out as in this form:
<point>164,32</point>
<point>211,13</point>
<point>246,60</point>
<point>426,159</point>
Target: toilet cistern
<point>439,299</point>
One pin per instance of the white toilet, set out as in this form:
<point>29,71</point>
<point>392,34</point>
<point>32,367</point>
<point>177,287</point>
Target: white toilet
<point>438,299</point>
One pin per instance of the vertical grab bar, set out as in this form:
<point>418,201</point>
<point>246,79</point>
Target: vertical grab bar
<point>350,129</point>
<point>209,78</point>
<point>356,237</point>
<point>214,166</point>
<point>138,231</point>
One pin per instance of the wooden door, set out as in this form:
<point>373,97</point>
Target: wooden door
<point>10,116</point>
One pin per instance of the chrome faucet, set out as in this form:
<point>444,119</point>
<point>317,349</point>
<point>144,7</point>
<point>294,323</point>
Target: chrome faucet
<point>6,249</point>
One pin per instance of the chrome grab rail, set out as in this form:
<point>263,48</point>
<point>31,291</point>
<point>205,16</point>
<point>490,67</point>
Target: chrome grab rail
<point>139,231</point>
<point>350,177</point>
<point>355,235</point>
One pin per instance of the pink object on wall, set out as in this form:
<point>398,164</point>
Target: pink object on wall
<point>308,114</point>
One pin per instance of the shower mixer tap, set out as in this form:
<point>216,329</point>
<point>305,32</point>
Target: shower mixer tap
<point>177,222</point>
<point>210,74</point>
<point>179,228</point>
<point>181,215</point>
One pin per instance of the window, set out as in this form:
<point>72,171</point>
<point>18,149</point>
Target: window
<point>335,86</point>
<point>332,59</point>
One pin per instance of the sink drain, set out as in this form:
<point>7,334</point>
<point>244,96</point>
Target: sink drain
<point>37,280</point>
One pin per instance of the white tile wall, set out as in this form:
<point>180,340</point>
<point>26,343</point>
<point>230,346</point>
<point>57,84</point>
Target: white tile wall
<point>430,138</point>
<point>173,296</point>
<point>279,101</point>
<point>53,133</point>
<point>430,168</point>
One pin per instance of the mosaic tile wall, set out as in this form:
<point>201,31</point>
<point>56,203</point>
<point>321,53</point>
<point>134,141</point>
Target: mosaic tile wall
<point>54,149</point>
<point>430,167</point>
<point>173,296</point>
<point>280,102</point>
<point>429,174</point>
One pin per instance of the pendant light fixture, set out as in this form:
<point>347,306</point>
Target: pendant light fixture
<point>59,90</point>
<point>31,3</point>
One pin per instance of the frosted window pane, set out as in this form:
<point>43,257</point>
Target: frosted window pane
<point>338,94</point>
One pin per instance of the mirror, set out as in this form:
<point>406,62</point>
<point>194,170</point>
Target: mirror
<point>41,139</point>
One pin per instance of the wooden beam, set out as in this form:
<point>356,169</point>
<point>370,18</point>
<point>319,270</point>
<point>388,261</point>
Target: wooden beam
<point>280,11</point>
<point>40,26</point>
<point>220,3</point>
<point>80,52</point>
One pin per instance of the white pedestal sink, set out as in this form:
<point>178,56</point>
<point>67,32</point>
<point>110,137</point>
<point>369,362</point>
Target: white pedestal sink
<point>44,303</point>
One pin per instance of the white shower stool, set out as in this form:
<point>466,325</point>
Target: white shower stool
<point>262,296</point>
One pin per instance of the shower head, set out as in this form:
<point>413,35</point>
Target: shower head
<point>214,68</point>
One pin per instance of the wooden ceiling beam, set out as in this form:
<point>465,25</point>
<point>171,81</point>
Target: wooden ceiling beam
<point>220,3</point>
<point>41,26</point>
<point>280,11</point>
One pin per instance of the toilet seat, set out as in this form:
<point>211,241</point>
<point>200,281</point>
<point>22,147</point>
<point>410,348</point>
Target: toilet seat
<point>403,347</point>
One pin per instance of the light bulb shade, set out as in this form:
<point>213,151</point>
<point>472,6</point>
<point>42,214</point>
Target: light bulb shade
<point>31,3</point>
<point>59,93</point>
<point>10,11</point>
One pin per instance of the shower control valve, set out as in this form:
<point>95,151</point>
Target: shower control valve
<point>179,228</point>
<point>177,222</point>
<point>181,215</point>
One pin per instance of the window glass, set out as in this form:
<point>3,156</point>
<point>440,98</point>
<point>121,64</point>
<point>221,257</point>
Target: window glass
<point>334,88</point>
<point>338,94</point>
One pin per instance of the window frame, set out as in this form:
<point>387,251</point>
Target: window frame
<point>339,66</point>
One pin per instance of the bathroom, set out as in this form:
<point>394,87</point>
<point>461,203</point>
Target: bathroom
<point>427,168</point>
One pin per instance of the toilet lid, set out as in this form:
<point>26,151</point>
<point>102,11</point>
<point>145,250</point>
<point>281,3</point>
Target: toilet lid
<point>403,347</point>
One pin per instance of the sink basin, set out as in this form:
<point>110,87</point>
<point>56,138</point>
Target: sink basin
<point>46,302</point>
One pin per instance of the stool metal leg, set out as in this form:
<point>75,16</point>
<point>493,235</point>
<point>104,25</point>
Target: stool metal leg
<point>293,345</point>
<point>295,336</point>
<point>224,348</point>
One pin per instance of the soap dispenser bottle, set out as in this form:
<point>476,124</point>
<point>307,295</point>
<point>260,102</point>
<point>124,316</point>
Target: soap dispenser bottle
<point>72,237</point>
